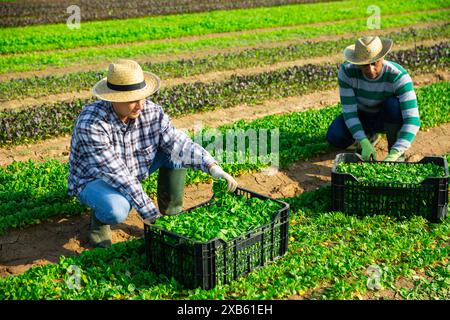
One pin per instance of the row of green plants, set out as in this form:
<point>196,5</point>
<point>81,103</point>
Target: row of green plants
<point>31,192</point>
<point>25,13</point>
<point>329,257</point>
<point>100,33</point>
<point>49,120</point>
<point>77,81</point>
<point>63,58</point>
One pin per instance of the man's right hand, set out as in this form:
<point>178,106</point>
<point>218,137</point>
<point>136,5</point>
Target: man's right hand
<point>367,150</point>
<point>217,173</point>
<point>152,219</point>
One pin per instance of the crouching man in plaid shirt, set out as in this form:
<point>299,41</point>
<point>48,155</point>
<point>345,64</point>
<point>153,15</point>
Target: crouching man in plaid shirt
<point>121,139</point>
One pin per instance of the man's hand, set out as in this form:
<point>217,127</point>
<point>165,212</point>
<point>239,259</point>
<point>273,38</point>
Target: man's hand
<point>367,150</point>
<point>217,173</point>
<point>393,155</point>
<point>152,219</point>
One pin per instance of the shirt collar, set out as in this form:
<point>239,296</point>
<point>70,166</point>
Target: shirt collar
<point>116,123</point>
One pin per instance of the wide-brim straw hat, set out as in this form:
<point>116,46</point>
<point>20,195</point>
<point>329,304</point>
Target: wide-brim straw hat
<point>367,50</point>
<point>126,82</point>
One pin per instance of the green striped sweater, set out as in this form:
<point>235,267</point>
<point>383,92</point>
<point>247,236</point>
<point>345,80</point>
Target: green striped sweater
<point>360,93</point>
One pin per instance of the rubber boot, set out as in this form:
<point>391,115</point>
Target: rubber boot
<point>392,133</point>
<point>99,233</point>
<point>171,190</point>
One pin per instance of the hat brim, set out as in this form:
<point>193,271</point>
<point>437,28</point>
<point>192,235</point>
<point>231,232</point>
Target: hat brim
<point>102,91</point>
<point>349,53</point>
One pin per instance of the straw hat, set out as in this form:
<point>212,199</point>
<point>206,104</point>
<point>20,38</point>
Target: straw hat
<point>367,50</point>
<point>126,82</point>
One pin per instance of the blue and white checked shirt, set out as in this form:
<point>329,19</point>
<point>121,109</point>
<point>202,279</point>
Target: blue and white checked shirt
<point>103,147</point>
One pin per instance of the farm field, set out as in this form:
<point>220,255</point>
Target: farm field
<point>228,65</point>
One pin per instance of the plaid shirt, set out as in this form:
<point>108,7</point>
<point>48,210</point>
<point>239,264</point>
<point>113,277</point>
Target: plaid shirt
<point>103,147</point>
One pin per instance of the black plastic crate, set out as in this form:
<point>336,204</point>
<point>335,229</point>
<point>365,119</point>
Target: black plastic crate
<point>207,264</point>
<point>428,199</point>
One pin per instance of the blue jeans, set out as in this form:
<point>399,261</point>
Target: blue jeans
<point>339,135</point>
<point>108,204</point>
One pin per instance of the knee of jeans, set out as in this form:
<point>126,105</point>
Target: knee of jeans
<point>392,111</point>
<point>331,137</point>
<point>337,140</point>
<point>115,213</point>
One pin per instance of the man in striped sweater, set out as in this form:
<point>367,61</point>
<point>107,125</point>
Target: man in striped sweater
<point>376,96</point>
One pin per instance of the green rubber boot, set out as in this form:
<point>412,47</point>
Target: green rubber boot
<point>99,233</point>
<point>171,190</point>
<point>392,133</point>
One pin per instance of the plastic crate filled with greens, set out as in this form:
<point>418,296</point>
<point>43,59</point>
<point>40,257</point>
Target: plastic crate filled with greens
<point>219,240</point>
<point>397,189</point>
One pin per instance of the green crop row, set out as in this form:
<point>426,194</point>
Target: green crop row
<point>329,257</point>
<point>19,126</point>
<point>42,86</point>
<point>31,187</point>
<point>40,60</point>
<point>25,13</point>
<point>100,33</point>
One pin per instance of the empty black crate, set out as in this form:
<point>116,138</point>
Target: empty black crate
<point>428,199</point>
<point>207,264</point>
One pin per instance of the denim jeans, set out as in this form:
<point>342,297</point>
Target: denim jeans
<point>339,135</point>
<point>108,204</point>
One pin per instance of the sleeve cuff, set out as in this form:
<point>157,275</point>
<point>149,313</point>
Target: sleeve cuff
<point>207,161</point>
<point>149,211</point>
